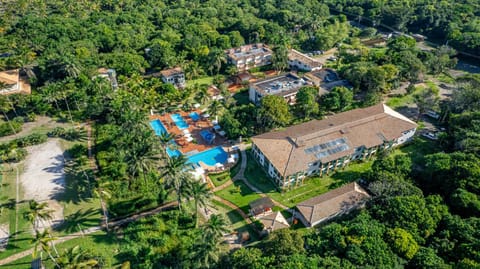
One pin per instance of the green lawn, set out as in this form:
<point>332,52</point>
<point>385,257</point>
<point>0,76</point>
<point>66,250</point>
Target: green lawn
<point>99,244</point>
<point>80,210</point>
<point>239,194</point>
<point>200,81</point>
<point>405,100</point>
<point>237,223</point>
<point>417,149</point>
<point>311,187</point>
<point>445,78</point>
<point>220,178</point>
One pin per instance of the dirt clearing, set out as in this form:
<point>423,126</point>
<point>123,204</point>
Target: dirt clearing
<point>43,179</point>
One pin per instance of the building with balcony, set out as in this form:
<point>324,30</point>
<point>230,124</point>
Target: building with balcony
<point>174,76</point>
<point>249,56</point>
<point>319,147</point>
<point>300,61</point>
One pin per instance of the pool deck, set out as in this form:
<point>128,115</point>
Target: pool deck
<point>195,127</point>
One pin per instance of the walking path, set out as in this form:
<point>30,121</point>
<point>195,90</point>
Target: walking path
<point>82,233</point>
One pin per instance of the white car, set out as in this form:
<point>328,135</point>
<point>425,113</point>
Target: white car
<point>430,135</point>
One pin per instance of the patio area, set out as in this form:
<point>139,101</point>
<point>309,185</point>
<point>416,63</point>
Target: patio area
<point>188,134</point>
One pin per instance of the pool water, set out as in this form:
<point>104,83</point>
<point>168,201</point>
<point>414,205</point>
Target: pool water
<point>158,127</point>
<point>194,116</point>
<point>209,157</point>
<point>179,121</point>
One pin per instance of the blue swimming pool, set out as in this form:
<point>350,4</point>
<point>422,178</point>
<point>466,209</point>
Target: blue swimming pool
<point>194,116</point>
<point>209,157</point>
<point>179,121</point>
<point>158,127</point>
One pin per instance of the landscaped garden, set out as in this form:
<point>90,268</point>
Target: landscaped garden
<point>219,179</point>
<point>239,194</point>
<point>311,187</point>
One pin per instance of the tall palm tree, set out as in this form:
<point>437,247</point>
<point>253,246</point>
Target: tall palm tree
<point>103,195</point>
<point>4,107</point>
<point>76,258</point>
<point>38,212</point>
<point>201,195</point>
<point>215,227</point>
<point>164,139</point>
<point>43,240</point>
<point>175,175</point>
<point>206,252</point>
<point>141,158</point>
<point>50,95</point>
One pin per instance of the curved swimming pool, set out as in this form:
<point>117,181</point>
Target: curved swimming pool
<point>209,157</point>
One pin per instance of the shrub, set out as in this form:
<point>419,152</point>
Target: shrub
<point>6,128</point>
<point>30,140</point>
<point>14,155</point>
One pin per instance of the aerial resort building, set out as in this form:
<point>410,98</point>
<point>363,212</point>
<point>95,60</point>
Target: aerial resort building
<point>300,61</point>
<point>319,147</point>
<point>12,82</point>
<point>249,56</point>
<point>284,85</point>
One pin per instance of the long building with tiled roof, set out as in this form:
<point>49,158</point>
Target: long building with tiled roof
<point>318,147</point>
<point>331,204</point>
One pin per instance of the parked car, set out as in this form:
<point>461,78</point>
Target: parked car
<point>332,58</point>
<point>430,135</point>
<point>432,114</point>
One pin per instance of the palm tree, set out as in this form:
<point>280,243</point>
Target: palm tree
<point>103,195</point>
<point>202,94</point>
<point>164,139</point>
<point>76,258</point>
<point>43,240</point>
<point>50,95</point>
<point>70,68</point>
<point>215,227</point>
<point>215,108</point>
<point>207,250</point>
<point>37,211</point>
<point>217,58</point>
<point>175,176</point>
<point>280,57</point>
<point>201,195</point>
<point>4,106</point>
<point>140,158</point>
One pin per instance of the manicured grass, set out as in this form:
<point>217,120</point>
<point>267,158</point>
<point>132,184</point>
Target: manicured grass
<point>239,194</point>
<point>221,178</point>
<point>200,81</point>
<point>311,186</point>
<point>417,149</point>
<point>100,244</point>
<point>236,221</point>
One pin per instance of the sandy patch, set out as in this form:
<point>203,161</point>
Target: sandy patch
<point>44,178</point>
<point>4,235</point>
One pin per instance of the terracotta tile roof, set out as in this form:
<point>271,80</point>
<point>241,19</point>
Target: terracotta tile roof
<point>9,77</point>
<point>296,55</point>
<point>336,201</point>
<point>171,71</point>
<point>274,221</point>
<point>289,149</point>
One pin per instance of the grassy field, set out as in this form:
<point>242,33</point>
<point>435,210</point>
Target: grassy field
<point>200,81</point>
<point>100,244</point>
<point>417,149</point>
<point>312,186</point>
<point>239,194</point>
<point>79,209</point>
<point>405,100</point>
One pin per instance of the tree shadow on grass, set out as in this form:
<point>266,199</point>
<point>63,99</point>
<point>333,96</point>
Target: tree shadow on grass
<point>78,184</point>
<point>79,220</point>
<point>343,177</point>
